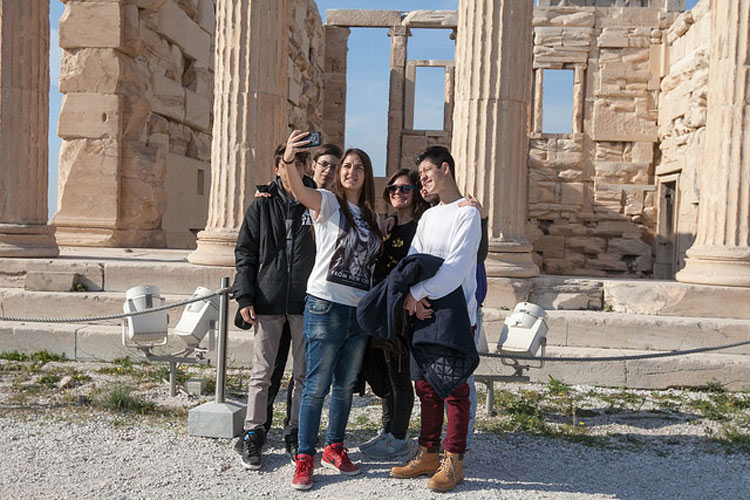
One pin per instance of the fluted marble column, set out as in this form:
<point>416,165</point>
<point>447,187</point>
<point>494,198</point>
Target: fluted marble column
<point>24,116</point>
<point>250,95</point>
<point>721,252</point>
<point>490,140</point>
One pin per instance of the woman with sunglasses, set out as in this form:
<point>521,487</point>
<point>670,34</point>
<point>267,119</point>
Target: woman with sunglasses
<point>386,366</point>
<point>347,241</point>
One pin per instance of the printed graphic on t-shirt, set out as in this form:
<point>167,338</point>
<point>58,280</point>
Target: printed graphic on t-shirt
<point>355,252</point>
<point>306,219</point>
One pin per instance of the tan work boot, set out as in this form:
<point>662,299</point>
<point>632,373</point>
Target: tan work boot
<point>450,474</point>
<point>423,462</point>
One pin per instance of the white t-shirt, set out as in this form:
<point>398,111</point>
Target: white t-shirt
<point>344,257</point>
<point>452,233</point>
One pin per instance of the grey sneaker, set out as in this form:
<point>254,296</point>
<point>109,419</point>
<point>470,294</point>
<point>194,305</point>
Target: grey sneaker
<point>387,448</point>
<point>372,442</point>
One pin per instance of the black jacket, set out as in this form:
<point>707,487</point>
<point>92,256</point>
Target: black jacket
<point>442,347</point>
<point>275,253</point>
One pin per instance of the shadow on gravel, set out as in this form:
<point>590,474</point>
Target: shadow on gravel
<point>646,420</point>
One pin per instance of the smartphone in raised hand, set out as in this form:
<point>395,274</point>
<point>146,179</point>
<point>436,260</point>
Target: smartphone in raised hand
<point>314,138</point>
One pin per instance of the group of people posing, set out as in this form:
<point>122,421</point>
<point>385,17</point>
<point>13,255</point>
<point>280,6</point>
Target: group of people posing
<point>357,298</point>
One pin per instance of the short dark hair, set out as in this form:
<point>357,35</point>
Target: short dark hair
<point>278,154</point>
<point>437,155</point>
<point>328,149</point>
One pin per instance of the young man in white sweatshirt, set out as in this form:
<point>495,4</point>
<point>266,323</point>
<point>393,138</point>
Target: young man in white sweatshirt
<point>453,233</point>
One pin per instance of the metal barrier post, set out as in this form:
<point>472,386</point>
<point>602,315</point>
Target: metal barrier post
<point>172,378</point>
<point>221,351</point>
<point>219,419</point>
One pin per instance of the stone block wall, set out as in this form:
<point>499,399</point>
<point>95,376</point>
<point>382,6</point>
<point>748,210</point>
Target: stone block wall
<point>137,79</point>
<point>669,5</point>
<point>591,193</point>
<point>136,120</point>
<point>682,125</point>
<point>307,59</point>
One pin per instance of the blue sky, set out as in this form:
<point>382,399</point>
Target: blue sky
<point>368,74</point>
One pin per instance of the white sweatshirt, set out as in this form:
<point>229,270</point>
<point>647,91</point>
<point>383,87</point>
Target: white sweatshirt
<point>452,233</point>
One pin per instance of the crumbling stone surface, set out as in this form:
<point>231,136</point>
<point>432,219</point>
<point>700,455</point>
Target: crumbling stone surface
<point>138,76</point>
<point>591,203</point>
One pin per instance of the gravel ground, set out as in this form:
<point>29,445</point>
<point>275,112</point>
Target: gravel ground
<point>51,449</point>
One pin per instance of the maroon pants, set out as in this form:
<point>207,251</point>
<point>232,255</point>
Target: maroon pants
<point>433,407</point>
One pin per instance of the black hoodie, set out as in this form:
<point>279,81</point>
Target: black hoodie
<point>275,253</point>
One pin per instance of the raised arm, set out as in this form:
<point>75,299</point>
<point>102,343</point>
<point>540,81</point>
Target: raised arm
<point>309,197</point>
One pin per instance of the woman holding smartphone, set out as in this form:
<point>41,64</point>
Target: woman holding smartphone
<point>348,240</point>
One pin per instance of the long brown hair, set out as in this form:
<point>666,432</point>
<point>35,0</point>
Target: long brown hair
<point>418,205</point>
<point>366,201</point>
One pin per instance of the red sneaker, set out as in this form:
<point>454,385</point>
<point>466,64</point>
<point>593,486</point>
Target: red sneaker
<point>303,472</point>
<point>335,457</point>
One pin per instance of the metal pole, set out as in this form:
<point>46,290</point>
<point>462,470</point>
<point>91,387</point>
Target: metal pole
<point>221,351</point>
<point>172,378</point>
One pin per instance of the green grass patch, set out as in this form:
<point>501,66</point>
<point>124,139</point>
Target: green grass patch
<point>558,388</point>
<point>41,357</point>
<point>49,381</point>
<point>119,397</point>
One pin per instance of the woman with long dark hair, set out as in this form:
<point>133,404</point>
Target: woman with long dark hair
<point>386,365</point>
<point>347,240</point>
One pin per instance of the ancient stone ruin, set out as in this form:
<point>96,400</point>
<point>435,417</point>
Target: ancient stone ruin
<point>172,109</point>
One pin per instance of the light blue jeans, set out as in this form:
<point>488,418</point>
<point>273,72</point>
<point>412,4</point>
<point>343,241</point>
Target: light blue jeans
<point>334,347</point>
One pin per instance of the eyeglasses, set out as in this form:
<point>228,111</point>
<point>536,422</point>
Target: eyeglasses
<point>404,188</point>
<point>326,166</point>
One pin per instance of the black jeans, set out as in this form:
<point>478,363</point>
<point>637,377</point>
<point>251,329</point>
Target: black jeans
<point>399,400</point>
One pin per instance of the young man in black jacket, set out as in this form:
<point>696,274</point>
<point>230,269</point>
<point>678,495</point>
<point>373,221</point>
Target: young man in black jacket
<point>274,256</point>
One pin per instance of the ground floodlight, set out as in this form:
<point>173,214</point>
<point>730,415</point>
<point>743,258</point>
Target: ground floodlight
<point>524,330</point>
<point>144,330</point>
<point>197,317</point>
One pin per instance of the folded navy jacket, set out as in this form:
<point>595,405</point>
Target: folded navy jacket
<point>442,347</point>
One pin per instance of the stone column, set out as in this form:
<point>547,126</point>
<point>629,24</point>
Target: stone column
<point>24,116</point>
<point>721,252</point>
<point>396,97</point>
<point>490,138</point>
<point>250,95</point>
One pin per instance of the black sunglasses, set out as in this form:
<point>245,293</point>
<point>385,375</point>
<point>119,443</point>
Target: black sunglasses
<point>404,188</point>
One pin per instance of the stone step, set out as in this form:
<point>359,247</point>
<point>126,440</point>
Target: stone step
<point>644,297</point>
<point>631,331</point>
<point>59,305</point>
<point>116,270</point>
<point>694,370</point>
<point>566,328</point>
<point>103,342</point>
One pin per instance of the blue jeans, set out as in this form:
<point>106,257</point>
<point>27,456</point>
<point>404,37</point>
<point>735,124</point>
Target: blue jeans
<point>334,347</point>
